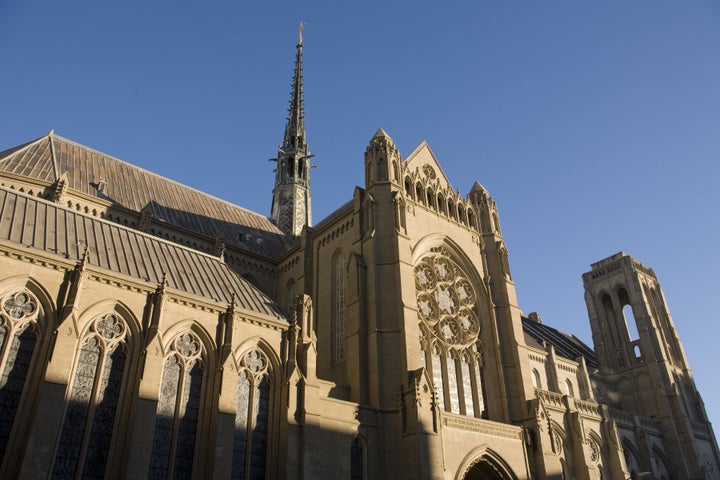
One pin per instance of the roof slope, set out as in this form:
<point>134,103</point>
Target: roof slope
<point>39,224</point>
<point>134,188</point>
<point>566,345</point>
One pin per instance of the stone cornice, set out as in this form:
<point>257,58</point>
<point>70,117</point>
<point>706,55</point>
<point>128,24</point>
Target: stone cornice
<point>479,425</point>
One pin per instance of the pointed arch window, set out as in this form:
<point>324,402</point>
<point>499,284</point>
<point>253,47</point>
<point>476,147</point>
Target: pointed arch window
<point>450,329</point>
<point>610,316</point>
<point>408,188</point>
<point>381,170</point>
<point>431,199</point>
<point>339,307</point>
<point>442,204</point>
<point>629,316</point>
<point>85,437</point>
<point>178,409</point>
<point>471,219</point>
<point>290,168</point>
<point>496,222</point>
<point>419,194</point>
<point>19,329</point>
<point>290,294</point>
<point>252,402</point>
<point>357,460</point>
<point>536,381</point>
<point>597,455</point>
<point>452,212</point>
<point>462,218</point>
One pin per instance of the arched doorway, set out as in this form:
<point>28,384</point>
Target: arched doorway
<point>487,468</point>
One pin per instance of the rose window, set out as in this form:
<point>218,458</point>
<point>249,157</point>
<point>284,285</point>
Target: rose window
<point>449,326</point>
<point>446,301</point>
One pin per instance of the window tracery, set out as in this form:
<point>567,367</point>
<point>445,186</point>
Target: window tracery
<point>18,337</point>
<point>85,437</point>
<point>252,406</point>
<point>450,329</point>
<point>178,409</point>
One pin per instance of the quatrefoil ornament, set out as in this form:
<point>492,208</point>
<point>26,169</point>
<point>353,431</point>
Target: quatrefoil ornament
<point>187,345</point>
<point>20,305</point>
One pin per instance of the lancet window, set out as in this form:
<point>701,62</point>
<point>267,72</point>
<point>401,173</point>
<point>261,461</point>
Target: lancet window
<point>178,408</point>
<point>340,279</point>
<point>252,405</point>
<point>450,328</point>
<point>85,438</point>
<point>357,460</point>
<point>18,337</point>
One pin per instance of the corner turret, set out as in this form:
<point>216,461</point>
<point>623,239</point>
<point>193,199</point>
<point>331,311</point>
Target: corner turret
<point>382,160</point>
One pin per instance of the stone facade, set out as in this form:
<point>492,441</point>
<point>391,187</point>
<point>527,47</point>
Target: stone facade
<point>163,333</point>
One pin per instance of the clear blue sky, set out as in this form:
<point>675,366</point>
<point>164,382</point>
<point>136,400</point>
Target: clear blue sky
<point>594,124</point>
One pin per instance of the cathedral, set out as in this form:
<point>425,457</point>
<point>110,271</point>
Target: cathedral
<point>150,330</point>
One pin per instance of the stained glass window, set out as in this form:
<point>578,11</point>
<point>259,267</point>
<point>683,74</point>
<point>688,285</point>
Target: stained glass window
<point>18,335</point>
<point>95,390</point>
<point>178,410</point>
<point>252,407</point>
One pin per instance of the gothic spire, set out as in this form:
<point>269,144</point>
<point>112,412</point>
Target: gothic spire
<point>291,210</point>
<point>295,127</point>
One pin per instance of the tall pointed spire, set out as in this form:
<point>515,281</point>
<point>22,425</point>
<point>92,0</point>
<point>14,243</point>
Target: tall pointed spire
<point>295,127</point>
<point>291,196</point>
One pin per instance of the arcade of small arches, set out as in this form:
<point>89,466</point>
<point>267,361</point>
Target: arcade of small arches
<point>443,203</point>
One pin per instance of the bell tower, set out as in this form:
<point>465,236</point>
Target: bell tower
<point>639,351</point>
<point>291,209</point>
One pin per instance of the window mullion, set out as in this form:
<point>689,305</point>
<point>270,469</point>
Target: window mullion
<point>446,381</point>
<point>460,379</point>
<point>476,389</point>
<point>6,344</point>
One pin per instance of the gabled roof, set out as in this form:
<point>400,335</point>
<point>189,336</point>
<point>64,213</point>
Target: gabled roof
<point>423,161</point>
<point>566,345</point>
<point>131,187</point>
<point>34,223</point>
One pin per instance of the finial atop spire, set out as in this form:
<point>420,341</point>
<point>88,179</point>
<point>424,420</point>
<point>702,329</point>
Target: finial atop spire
<point>299,32</point>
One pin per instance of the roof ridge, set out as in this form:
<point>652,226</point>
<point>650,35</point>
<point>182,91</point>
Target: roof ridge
<point>53,156</point>
<point>175,182</point>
